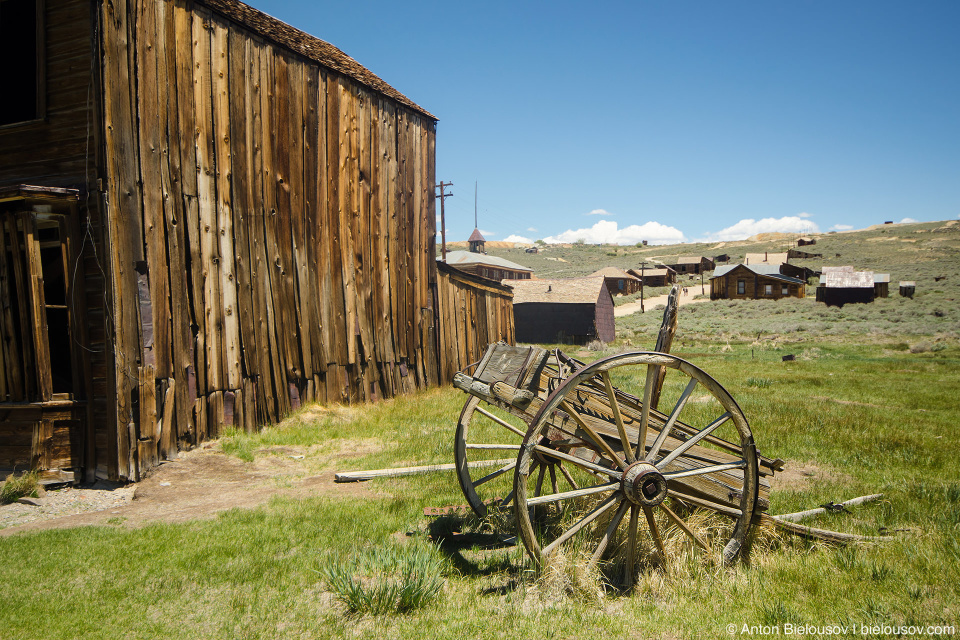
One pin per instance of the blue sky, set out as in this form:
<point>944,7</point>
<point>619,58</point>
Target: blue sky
<point>672,121</point>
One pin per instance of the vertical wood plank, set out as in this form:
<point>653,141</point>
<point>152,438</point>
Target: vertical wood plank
<point>211,307</point>
<point>335,278</point>
<point>38,315</point>
<point>227,314</point>
<point>147,441</point>
<point>347,210</point>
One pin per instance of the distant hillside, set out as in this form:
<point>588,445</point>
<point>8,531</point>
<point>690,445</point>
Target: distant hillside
<point>921,252</point>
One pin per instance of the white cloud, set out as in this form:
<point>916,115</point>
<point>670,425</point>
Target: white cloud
<point>908,221</point>
<point>606,232</point>
<point>841,227</point>
<point>531,230</point>
<point>599,212</point>
<point>516,238</point>
<point>487,234</point>
<point>750,227</point>
<point>804,214</point>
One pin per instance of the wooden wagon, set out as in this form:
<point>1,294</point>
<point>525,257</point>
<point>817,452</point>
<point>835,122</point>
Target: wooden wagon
<point>610,458</point>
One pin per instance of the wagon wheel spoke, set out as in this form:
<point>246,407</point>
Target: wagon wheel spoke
<point>684,527</point>
<point>496,474</point>
<point>492,447</point>
<point>709,504</point>
<point>655,533</point>
<point>694,439</point>
<point>662,437</point>
<point>615,408</point>
<point>608,534</point>
<point>506,501</point>
<point>653,373</point>
<point>553,479</point>
<point>567,476</point>
<point>675,475</point>
<point>543,470</point>
<point>603,444</point>
<point>597,511</point>
<point>589,466</point>
<point>632,545</point>
<point>503,423</point>
<point>569,495</point>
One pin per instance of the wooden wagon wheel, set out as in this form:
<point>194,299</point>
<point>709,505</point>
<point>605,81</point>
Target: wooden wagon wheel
<point>678,468</point>
<point>487,444</point>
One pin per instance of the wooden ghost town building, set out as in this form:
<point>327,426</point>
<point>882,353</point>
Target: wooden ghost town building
<point>207,217</point>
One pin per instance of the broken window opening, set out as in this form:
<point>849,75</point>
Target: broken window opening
<point>21,44</point>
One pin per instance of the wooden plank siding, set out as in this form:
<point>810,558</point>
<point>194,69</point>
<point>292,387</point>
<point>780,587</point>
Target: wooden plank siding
<point>254,220</point>
<point>282,214</point>
<point>474,312</point>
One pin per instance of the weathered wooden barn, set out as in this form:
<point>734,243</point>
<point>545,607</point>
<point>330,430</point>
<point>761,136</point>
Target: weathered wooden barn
<point>474,312</point>
<point>754,282</point>
<point>209,217</point>
<point>658,277</point>
<point>492,267</point>
<point>618,281</point>
<point>569,310</point>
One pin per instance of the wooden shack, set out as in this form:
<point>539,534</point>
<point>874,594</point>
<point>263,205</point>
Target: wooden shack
<point>656,277</point>
<point>207,217</point>
<point>570,310</point>
<point>693,264</point>
<point>881,285</point>
<point>754,282</point>
<point>618,281</point>
<point>842,285</point>
<point>491,267</point>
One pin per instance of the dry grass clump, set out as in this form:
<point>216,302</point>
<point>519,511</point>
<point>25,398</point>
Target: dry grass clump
<point>568,573</point>
<point>16,487</point>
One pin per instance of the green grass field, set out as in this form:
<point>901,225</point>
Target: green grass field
<point>870,403</point>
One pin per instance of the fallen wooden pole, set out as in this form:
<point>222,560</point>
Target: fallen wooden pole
<point>360,476</point>
<point>788,522</point>
<point>803,515</point>
<point>824,534</point>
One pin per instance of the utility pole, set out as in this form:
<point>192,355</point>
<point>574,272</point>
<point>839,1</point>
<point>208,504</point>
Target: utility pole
<point>443,220</point>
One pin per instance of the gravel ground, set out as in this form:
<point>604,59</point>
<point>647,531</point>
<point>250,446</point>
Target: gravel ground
<point>68,500</point>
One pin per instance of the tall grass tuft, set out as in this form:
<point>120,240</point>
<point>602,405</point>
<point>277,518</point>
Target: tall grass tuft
<point>14,488</point>
<point>386,580</point>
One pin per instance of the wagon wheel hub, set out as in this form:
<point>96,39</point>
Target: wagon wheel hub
<point>644,485</point>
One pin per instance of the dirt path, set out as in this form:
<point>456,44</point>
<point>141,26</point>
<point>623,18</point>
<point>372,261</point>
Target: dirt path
<point>650,303</point>
<point>202,483</point>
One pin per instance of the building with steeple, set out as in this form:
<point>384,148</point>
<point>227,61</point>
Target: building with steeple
<point>477,242</point>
